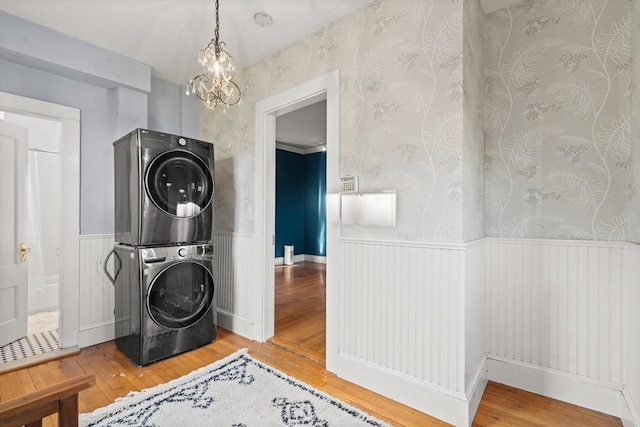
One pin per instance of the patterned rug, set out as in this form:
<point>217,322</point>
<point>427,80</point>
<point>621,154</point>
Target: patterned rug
<point>237,391</point>
<point>30,346</point>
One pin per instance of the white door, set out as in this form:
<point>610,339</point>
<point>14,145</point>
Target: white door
<point>14,146</point>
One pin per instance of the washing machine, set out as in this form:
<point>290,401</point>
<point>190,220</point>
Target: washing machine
<point>164,189</point>
<point>165,300</point>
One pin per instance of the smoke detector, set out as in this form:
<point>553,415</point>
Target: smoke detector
<point>263,19</point>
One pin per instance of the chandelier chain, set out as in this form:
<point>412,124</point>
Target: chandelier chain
<point>217,31</point>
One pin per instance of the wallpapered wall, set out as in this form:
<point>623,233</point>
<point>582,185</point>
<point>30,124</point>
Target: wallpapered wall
<point>635,114</point>
<point>473,121</point>
<point>401,116</point>
<point>558,121</point>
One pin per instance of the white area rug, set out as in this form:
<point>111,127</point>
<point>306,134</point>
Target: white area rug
<point>237,391</point>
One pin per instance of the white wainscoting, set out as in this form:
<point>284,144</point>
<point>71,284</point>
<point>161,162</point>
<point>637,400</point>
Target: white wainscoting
<point>555,318</point>
<point>474,313</point>
<point>402,323</point>
<point>631,336</point>
<point>96,291</point>
<point>234,278</point>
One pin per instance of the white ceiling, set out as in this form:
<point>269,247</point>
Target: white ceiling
<point>167,34</point>
<point>306,127</point>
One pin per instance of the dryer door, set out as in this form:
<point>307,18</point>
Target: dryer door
<point>180,295</point>
<point>179,183</point>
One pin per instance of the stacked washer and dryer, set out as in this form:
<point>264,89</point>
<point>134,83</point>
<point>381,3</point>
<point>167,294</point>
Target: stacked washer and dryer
<point>165,300</point>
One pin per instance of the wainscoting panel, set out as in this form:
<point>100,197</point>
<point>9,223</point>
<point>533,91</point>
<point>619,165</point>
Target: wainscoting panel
<point>234,279</point>
<point>557,305</point>
<point>631,334</point>
<point>474,313</point>
<point>96,291</point>
<point>402,308</point>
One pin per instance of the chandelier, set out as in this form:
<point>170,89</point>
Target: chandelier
<point>215,85</point>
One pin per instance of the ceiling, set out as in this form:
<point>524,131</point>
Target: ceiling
<point>306,127</point>
<point>167,34</point>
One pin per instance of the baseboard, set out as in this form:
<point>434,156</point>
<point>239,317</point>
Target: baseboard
<point>592,394</point>
<point>96,334</point>
<point>446,405</point>
<point>315,258</point>
<point>630,416</point>
<point>303,257</point>
<point>235,324</point>
<point>476,389</point>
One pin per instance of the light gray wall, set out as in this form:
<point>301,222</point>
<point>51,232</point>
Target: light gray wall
<point>96,135</point>
<point>163,105</point>
<point>400,66</point>
<point>635,115</point>
<point>558,120</point>
<point>112,100</point>
<point>171,111</point>
<point>472,92</point>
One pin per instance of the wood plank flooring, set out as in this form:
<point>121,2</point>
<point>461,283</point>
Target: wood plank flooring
<point>301,309</point>
<point>300,358</point>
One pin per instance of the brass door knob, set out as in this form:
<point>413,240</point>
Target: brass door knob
<point>23,252</point>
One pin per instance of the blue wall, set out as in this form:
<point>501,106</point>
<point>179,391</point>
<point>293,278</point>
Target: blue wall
<point>300,202</point>
<point>315,237</point>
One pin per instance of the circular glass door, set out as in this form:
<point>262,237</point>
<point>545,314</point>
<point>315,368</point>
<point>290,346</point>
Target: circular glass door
<point>180,295</point>
<point>179,183</point>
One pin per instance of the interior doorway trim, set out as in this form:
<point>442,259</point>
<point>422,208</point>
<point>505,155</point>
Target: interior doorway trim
<point>69,289</point>
<point>324,87</point>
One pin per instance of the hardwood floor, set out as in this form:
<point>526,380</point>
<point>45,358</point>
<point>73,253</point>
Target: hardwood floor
<point>300,327</point>
<point>301,309</point>
<point>116,375</point>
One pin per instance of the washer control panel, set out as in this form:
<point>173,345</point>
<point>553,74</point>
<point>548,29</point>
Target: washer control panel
<point>175,253</point>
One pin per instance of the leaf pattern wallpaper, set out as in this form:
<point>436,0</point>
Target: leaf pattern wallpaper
<point>529,136</point>
<point>635,115</point>
<point>401,65</point>
<point>558,120</point>
<point>473,126</point>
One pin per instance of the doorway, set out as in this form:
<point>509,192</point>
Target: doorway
<point>300,231</point>
<point>327,88</point>
<point>56,272</point>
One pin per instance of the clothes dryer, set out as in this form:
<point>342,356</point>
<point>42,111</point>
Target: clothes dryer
<point>164,189</point>
<point>165,300</point>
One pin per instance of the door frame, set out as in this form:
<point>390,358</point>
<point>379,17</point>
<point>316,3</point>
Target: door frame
<point>324,87</point>
<point>69,287</point>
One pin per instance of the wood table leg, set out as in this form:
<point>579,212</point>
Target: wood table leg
<point>68,414</point>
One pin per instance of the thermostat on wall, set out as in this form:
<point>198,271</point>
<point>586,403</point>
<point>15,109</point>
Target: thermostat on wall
<point>348,184</point>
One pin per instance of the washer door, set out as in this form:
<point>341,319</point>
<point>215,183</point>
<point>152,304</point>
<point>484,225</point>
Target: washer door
<point>180,295</point>
<point>179,183</point>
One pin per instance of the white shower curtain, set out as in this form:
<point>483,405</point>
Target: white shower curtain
<point>43,230</point>
<point>34,236</point>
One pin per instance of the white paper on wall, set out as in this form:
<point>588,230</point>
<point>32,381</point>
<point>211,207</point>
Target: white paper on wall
<point>374,209</point>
